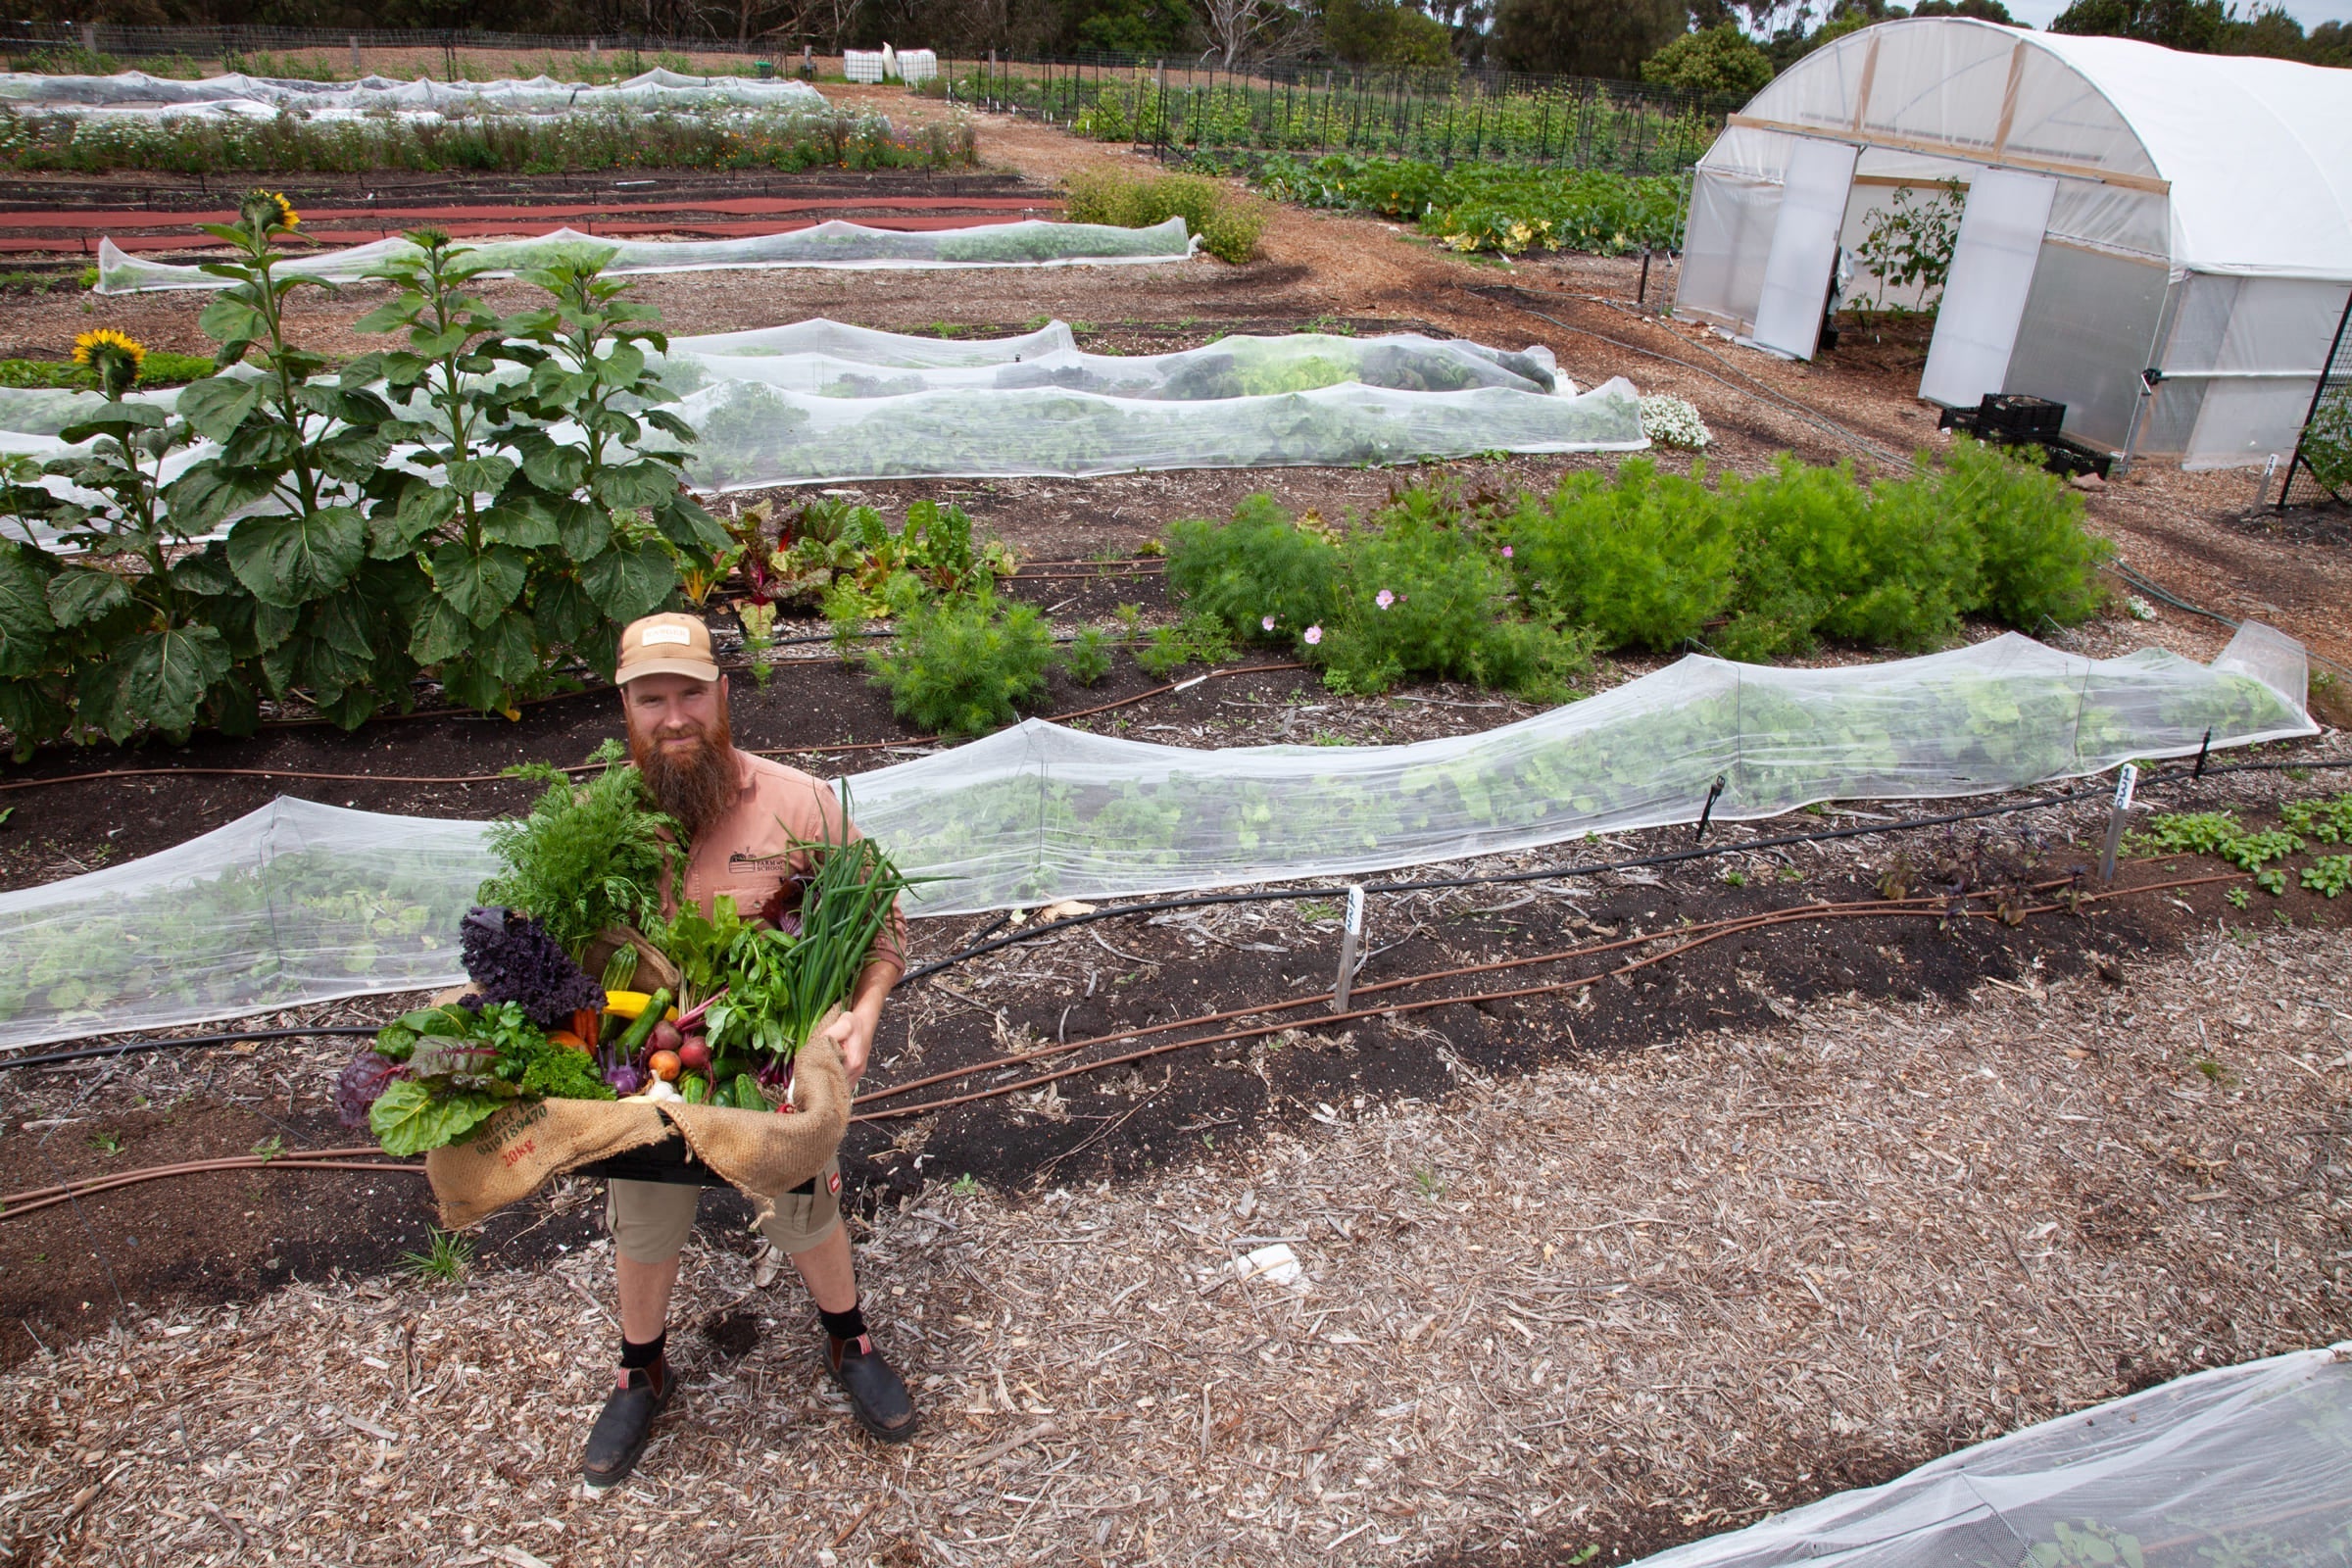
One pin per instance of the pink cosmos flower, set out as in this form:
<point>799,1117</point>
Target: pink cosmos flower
<point>1269,623</point>
<point>1384,599</point>
<point>1507,552</point>
<point>1314,635</point>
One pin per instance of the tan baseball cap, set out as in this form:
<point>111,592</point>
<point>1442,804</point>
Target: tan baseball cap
<point>665,645</point>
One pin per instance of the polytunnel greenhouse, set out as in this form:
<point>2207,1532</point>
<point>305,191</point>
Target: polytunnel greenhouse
<point>2128,209</point>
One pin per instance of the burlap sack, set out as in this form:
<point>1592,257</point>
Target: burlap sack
<point>761,1153</point>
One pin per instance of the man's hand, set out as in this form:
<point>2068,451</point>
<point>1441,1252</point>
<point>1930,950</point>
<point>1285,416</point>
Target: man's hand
<point>853,1033</point>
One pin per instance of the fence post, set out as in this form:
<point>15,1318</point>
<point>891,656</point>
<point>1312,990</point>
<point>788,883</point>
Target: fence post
<point>2123,782</point>
<point>807,62</point>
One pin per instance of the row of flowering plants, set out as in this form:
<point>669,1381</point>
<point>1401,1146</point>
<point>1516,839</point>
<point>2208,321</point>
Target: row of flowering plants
<point>482,503</point>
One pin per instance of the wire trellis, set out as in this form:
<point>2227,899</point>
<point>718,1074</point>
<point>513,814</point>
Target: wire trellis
<point>2322,468</point>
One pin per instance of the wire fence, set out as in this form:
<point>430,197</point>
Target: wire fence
<point>1189,107</point>
<point>1172,107</point>
<point>2322,468</point>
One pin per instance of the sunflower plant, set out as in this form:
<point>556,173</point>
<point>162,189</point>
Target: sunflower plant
<point>537,522</point>
<point>108,637</point>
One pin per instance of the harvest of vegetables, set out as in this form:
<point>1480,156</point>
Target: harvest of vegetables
<point>750,989</point>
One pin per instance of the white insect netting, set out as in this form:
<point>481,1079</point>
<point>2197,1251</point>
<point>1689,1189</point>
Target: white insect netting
<point>793,408</point>
<point>1028,242</point>
<point>302,903</point>
<point>820,401</point>
<point>2243,1464</point>
<point>135,94</point>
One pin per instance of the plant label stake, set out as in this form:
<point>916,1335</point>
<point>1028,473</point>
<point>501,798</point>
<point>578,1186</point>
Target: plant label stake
<point>2123,783</point>
<point>1349,941</point>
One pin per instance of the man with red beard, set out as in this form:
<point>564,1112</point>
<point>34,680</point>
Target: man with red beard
<point>743,817</point>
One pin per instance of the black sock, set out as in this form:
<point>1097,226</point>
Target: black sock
<point>843,1325</point>
<point>635,1356</point>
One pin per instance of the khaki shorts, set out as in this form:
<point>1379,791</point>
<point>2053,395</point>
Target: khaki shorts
<point>650,1220</point>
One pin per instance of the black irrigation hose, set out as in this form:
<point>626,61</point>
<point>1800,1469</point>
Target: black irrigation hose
<point>1549,873</point>
<point>166,1043</point>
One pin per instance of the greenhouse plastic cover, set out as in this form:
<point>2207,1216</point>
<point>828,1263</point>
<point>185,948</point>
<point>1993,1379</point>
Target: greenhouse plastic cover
<point>300,903</point>
<point>134,93</point>
<point>2241,1464</point>
<point>1028,242</point>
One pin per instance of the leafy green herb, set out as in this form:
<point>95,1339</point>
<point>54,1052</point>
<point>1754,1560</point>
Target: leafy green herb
<point>590,855</point>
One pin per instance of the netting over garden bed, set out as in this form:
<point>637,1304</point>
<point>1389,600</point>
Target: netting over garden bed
<point>2233,1465</point>
<point>770,411</point>
<point>1029,242</point>
<point>240,96</point>
<point>303,903</point>
<point>819,402</point>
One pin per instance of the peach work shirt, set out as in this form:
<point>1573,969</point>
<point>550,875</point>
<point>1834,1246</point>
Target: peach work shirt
<point>748,852</point>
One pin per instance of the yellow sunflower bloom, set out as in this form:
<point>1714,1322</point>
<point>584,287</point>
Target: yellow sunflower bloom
<point>116,358</point>
<point>94,344</point>
<point>286,215</point>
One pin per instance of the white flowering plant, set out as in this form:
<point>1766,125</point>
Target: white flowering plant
<point>1673,421</point>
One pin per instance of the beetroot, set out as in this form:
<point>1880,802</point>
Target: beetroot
<point>666,1036</point>
<point>695,1053</point>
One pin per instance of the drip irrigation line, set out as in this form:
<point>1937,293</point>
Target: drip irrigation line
<point>1907,824</point>
<point>34,1200</point>
<point>590,767</point>
<point>1585,949</point>
<point>1935,908</point>
<point>128,1048</point>
<point>1767,395</point>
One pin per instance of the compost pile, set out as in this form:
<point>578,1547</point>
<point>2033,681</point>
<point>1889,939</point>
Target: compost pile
<point>584,990</point>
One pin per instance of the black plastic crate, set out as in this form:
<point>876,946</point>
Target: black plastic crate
<point>2013,417</point>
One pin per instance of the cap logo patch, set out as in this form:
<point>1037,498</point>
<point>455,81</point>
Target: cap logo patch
<point>663,634</point>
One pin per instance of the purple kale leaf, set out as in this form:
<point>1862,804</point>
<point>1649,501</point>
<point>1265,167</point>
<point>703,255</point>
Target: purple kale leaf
<point>511,958</point>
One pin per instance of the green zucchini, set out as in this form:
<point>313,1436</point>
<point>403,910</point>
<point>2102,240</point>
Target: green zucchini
<point>638,1033</point>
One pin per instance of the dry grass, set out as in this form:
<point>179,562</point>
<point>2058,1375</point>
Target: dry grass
<point>1616,1303</point>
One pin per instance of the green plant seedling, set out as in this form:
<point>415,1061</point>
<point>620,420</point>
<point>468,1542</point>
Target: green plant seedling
<point>445,1262</point>
<point>965,1185</point>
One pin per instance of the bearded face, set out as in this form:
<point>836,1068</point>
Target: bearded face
<point>687,758</point>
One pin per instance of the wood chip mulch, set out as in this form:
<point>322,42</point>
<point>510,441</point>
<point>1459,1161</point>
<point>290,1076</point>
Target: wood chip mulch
<point>1616,1304</point>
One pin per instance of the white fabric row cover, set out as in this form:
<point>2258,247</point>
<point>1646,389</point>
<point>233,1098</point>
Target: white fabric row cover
<point>2241,1464</point>
<point>134,93</point>
<point>301,903</point>
<point>1028,242</point>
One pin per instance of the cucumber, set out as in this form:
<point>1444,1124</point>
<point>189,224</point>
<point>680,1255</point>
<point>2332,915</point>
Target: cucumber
<point>633,1040</point>
<point>694,1089</point>
<point>747,1092</point>
<point>614,1025</point>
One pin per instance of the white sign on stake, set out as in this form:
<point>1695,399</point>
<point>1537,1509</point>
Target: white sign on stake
<point>2126,780</point>
<point>1349,939</point>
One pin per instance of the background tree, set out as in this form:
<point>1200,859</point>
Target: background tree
<point>1585,37</point>
<point>2191,25</point>
<point>1385,33</point>
<point>1720,61</point>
